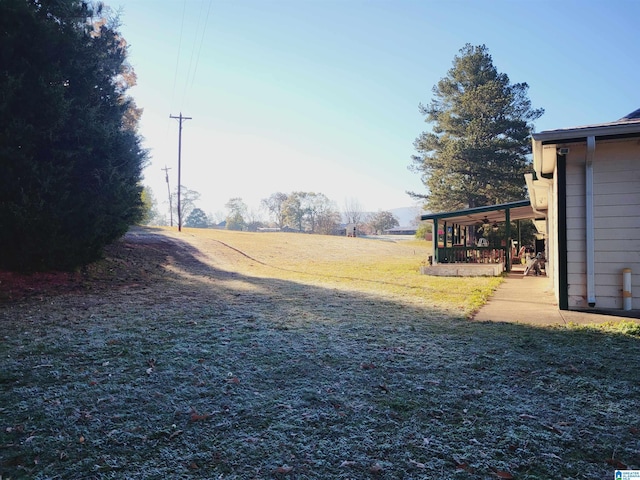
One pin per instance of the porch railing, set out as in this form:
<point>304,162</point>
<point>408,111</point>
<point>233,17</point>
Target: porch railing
<point>462,254</point>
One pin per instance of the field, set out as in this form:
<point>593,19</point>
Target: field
<point>221,355</point>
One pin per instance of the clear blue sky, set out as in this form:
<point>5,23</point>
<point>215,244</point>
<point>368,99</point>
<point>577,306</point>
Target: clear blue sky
<point>322,95</point>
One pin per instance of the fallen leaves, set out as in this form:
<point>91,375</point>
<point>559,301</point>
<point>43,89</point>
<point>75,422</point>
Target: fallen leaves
<point>472,393</point>
<point>502,474</point>
<point>284,469</point>
<point>526,416</point>
<point>197,417</point>
<point>465,467</point>
<point>552,428</point>
<point>617,464</point>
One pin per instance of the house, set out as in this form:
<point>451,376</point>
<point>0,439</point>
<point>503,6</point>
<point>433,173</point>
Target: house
<point>586,191</point>
<point>584,199</point>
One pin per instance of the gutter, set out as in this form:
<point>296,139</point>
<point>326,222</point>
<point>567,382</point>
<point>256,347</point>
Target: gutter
<point>579,133</point>
<point>531,187</point>
<point>590,247</point>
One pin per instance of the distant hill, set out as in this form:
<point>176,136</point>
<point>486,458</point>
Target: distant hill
<point>407,216</point>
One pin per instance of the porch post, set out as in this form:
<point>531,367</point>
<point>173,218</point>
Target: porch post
<point>444,229</point>
<point>434,237</point>
<point>507,230</point>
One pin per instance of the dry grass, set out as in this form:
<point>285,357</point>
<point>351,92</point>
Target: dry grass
<point>221,355</point>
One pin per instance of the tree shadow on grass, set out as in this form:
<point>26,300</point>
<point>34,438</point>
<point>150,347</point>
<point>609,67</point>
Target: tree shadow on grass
<point>168,366</point>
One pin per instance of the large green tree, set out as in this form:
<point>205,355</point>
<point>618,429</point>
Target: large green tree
<point>382,221</point>
<point>70,157</point>
<point>310,212</point>
<point>477,151</point>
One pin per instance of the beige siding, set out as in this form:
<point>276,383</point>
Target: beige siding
<point>616,222</point>
<point>616,178</point>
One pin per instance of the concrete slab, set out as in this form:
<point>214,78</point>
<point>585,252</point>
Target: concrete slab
<point>530,300</point>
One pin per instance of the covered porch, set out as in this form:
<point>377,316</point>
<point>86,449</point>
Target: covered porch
<point>457,251</point>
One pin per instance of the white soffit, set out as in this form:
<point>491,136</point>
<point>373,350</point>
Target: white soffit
<point>538,192</point>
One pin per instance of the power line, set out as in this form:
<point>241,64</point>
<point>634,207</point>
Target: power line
<point>175,74</point>
<point>189,85</point>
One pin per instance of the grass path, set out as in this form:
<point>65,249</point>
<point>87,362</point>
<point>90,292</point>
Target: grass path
<point>252,356</point>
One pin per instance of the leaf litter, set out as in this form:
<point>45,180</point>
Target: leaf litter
<point>177,358</point>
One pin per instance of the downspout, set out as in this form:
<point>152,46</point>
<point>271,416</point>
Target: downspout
<point>590,247</point>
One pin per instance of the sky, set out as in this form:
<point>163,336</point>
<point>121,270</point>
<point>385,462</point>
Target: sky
<point>322,95</point>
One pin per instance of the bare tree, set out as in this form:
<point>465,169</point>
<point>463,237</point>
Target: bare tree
<point>353,211</point>
<point>275,206</point>
<point>253,219</point>
<point>188,199</point>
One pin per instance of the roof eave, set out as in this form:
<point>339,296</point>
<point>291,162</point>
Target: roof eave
<point>607,129</point>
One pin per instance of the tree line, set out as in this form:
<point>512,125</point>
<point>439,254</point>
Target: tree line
<point>307,212</point>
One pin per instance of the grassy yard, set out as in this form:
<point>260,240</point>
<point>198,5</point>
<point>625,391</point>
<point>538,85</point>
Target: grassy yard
<point>221,355</point>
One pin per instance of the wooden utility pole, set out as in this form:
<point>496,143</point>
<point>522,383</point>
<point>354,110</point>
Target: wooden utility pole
<point>180,119</point>
<point>166,172</point>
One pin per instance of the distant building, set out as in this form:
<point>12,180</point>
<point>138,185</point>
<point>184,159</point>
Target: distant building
<point>401,231</point>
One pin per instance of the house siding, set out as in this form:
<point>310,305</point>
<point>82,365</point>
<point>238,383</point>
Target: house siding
<point>616,200</point>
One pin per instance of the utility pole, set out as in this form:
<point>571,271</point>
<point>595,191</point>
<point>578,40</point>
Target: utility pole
<point>166,172</point>
<point>180,120</point>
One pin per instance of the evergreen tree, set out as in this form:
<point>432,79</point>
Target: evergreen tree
<point>237,212</point>
<point>197,219</point>
<point>479,148</point>
<point>70,157</point>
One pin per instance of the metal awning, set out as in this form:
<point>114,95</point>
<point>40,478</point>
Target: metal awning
<point>490,214</point>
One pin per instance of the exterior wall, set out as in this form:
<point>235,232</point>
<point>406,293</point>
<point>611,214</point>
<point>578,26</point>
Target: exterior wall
<point>616,200</point>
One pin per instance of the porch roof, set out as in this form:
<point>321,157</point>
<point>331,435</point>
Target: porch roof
<point>490,214</point>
